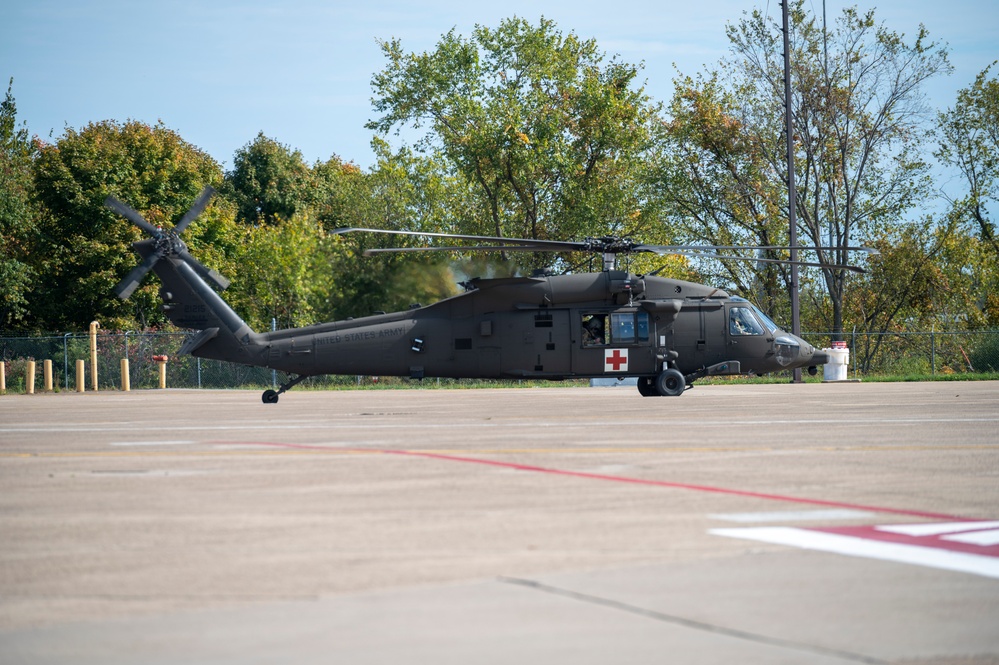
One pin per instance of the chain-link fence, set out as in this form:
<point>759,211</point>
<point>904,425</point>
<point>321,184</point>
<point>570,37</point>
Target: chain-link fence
<point>143,371</point>
<point>901,354</point>
<point>917,353</point>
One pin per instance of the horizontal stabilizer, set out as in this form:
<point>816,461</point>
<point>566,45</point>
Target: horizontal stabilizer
<point>199,340</point>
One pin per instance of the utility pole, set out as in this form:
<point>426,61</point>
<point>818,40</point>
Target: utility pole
<point>791,194</point>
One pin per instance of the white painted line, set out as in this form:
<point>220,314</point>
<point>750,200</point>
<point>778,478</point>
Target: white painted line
<point>152,443</point>
<point>793,515</point>
<point>937,528</point>
<point>985,566</point>
<point>983,538</point>
<point>581,424</point>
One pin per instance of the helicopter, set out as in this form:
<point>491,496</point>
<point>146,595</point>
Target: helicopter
<point>666,332</point>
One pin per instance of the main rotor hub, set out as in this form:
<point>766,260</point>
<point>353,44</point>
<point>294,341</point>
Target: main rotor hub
<point>609,245</point>
<point>168,243</point>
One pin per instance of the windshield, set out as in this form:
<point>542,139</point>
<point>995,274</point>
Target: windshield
<point>771,326</point>
<point>742,322</point>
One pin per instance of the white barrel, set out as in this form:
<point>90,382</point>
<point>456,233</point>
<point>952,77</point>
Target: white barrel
<point>835,369</point>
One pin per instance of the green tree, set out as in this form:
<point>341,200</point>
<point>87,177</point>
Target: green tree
<point>719,186</point>
<point>17,217</point>
<point>859,132</point>
<point>84,248</point>
<point>403,191</point>
<point>269,181</point>
<point>544,134</point>
<point>286,274</point>
<point>969,135</point>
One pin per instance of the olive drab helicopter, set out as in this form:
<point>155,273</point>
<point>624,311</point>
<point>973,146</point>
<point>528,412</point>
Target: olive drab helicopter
<point>666,332</point>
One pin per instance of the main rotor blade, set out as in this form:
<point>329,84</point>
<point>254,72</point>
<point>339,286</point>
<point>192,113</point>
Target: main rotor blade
<point>132,280</point>
<point>811,264</point>
<point>672,249</point>
<point>127,212</point>
<point>456,248</point>
<point>521,248</point>
<point>541,245</point>
<point>196,209</point>
<point>609,245</point>
<point>203,271</point>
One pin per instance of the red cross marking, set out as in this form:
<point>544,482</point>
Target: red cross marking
<point>615,360</point>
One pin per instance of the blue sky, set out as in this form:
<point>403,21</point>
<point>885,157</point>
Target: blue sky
<point>299,70</point>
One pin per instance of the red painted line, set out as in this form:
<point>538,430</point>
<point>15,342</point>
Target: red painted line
<point>937,542</point>
<point>616,479</point>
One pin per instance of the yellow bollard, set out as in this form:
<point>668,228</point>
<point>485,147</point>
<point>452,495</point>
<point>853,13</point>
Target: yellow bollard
<point>47,375</point>
<point>124,375</point>
<point>80,375</point>
<point>3,377</point>
<point>94,325</point>
<point>29,378</point>
<point>162,361</point>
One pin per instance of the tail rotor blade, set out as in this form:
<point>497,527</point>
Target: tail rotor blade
<point>199,205</point>
<point>132,280</point>
<point>206,274</point>
<point>127,212</point>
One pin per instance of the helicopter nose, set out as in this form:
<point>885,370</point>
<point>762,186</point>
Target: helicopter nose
<point>810,355</point>
<point>792,351</point>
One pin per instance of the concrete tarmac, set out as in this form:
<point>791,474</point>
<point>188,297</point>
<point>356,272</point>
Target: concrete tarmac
<point>817,523</point>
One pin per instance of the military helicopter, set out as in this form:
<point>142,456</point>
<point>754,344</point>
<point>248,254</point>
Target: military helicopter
<point>666,332</point>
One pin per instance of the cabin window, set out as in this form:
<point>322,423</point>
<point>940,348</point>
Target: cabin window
<point>742,322</point>
<point>594,329</point>
<point>616,328</point>
<point>629,327</point>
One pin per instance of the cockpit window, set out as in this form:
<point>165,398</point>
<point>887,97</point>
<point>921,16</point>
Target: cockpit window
<point>767,321</point>
<point>742,322</point>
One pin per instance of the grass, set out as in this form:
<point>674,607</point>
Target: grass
<point>400,383</point>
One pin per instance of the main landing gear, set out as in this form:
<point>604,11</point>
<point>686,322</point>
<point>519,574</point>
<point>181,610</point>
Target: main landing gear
<point>271,396</point>
<point>668,383</point>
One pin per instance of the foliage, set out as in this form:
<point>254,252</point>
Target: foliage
<point>858,135</point>
<point>720,185</point>
<point>269,181</point>
<point>969,135</point>
<point>83,247</point>
<point>531,132</point>
<point>902,289</point>
<point>544,136</point>
<point>17,216</point>
<point>985,357</point>
<point>403,191</point>
<point>294,276</point>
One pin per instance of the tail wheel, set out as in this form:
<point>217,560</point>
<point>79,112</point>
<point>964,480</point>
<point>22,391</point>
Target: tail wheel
<point>270,397</point>
<point>671,383</point>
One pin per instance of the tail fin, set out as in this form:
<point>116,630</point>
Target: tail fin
<point>188,300</point>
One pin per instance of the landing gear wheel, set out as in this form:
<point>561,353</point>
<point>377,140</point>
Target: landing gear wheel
<point>647,387</point>
<point>271,396</point>
<point>671,383</point>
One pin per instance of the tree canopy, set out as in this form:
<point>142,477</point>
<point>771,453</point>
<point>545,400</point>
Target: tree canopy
<point>859,142</point>
<point>546,134</point>
<point>16,219</point>
<point>524,130</point>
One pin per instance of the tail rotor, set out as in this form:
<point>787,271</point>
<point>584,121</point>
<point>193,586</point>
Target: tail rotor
<point>162,244</point>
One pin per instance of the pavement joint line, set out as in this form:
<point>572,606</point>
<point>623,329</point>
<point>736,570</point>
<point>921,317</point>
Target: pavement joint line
<point>691,623</point>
